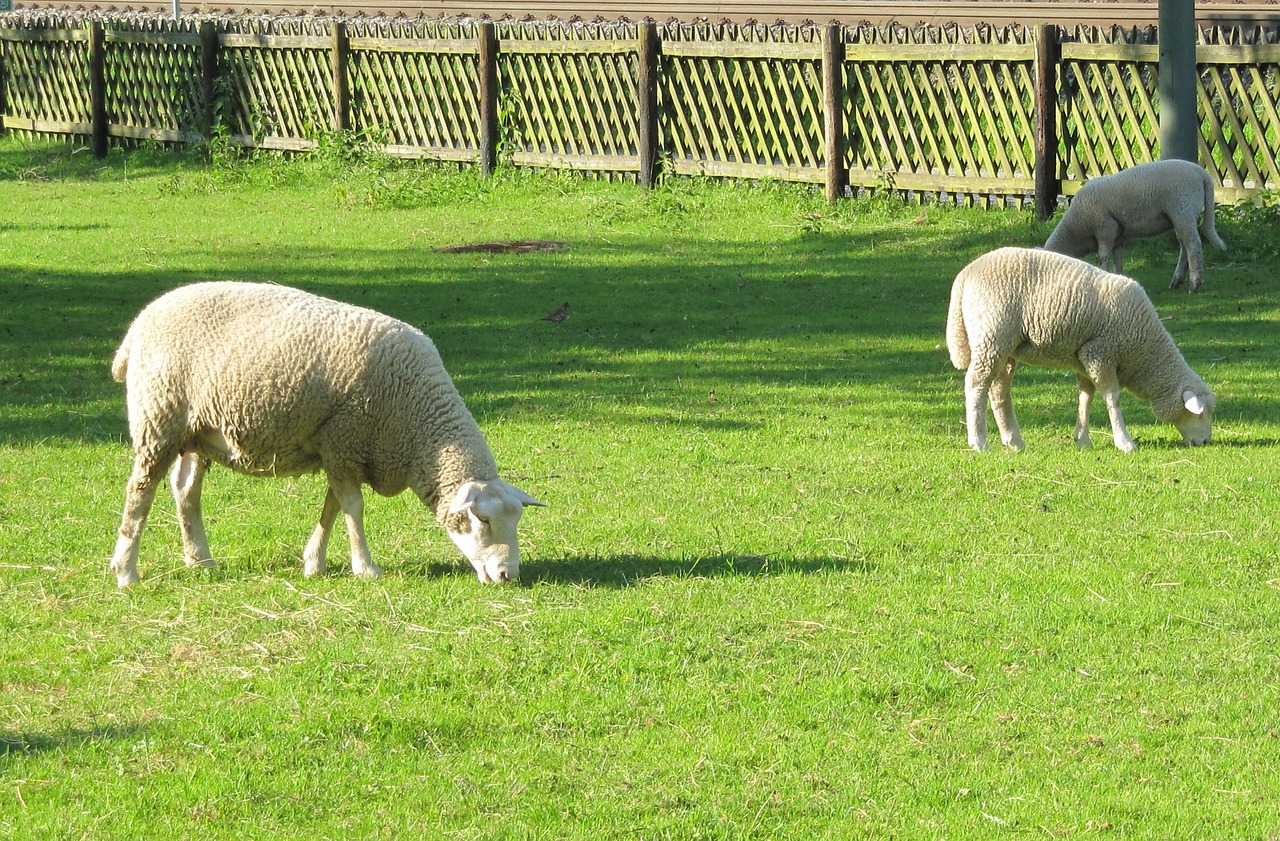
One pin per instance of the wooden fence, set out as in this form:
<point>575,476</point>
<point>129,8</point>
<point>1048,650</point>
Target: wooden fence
<point>979,116</point>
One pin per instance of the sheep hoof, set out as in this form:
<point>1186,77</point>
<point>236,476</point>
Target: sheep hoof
<point>127,579</point>
<point>370,571</point>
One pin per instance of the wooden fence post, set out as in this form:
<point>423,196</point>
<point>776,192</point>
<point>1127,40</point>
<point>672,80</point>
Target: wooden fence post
<point>647,102</point>
<point>208,76</point>
<point>97,90</point>
<point>339,54</point>
<point>833,107</point>
<point>4,103</point>
<point>488,72</point>
<point>1048,182</point>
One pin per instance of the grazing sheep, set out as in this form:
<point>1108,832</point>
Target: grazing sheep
<point>1026,305</point>
<point>1141,201</point>
<point>273,381</point>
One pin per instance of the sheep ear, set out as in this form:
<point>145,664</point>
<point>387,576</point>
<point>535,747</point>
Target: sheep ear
<point>464,498</point>
<point>1193,402</point>
<point>527,500</point>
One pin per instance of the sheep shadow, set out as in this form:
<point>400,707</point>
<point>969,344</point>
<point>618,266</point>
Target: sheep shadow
<point>29,744</point>
<point>593,571</point>
<point>620,572</point>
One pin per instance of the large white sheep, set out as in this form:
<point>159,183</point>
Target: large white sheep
<point>273,381</point>
<point>1027,305</point>
<point>1141,201</point>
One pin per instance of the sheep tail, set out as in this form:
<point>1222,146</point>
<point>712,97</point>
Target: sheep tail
<point>120,364</point>
<point>1207,229</point>
<point>957,336</point>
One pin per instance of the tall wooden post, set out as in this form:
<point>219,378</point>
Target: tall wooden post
<point>647,104</point>
<point>488,73</point>
<point>833,109</point>
<point>4,103</point>
<point>339,54</point>
<point>1179,80</point>
<point>208,77</point>
<point>1048,179</point>
<point>97,90</point>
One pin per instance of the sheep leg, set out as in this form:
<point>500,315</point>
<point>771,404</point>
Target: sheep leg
<point>1111,396</point>
<point>1002,407</point>
<point>1102,375</point>
<point>351,501</point>
<point>1190,255</point>
<point>1107,234</point>
<point>1180,271</point>
<point>140,492</point>
<point>313,562</point>
<point>1083,440</point>
<point>186,480</point>
<point>1106,383</point>
<point>977,384</point>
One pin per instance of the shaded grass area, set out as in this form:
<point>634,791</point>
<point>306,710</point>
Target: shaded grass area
<point>774,595</point>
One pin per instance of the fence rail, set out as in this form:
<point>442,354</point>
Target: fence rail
<point>991,116</point>
<point>964,13</point>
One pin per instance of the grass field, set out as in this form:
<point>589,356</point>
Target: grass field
<point>774,595</point>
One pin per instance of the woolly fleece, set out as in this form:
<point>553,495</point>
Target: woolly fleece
<point>274,381</point>
<point>1142,201</point>
<point>1028,305</point>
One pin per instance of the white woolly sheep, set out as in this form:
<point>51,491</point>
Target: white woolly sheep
<point>1027,305</point>
<point>1141,201</point>
<point>274,381</point>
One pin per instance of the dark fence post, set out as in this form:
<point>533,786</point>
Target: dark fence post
<point>647,100</point>
<point>208,76</point>
<point>1048,182</point>
<point>488,72</point>
<point>97,90</point>
<point>833,106</point>
<point>341,80</point>
<point>4,103</point>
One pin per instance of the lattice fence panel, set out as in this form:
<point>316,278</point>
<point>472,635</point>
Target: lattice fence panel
<point>278,93</point>
<point>417,99</point>
<point>413,28</point>
<point>153,89</point>
<point>935,108</point>
<point>1108,111</point>
<point>46,81</point>
<point>578,104</point>
<point>939,119</point>
<point>544,30</point>
<point>746,112</point>
<point>1240,117</point>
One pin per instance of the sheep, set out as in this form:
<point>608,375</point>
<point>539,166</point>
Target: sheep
<point>1141,201</point>
<point>1027,305</point>
<point>273,381</point>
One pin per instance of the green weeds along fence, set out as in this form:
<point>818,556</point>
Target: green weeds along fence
<point>973,115</point>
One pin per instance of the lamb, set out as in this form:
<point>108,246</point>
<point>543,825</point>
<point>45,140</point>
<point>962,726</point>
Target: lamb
<point>274,381</point>
<point>1027,305</point>
<point>1141,201</point>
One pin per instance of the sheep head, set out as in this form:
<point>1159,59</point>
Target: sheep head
<point>493,510</point>
<point>1195,420</point>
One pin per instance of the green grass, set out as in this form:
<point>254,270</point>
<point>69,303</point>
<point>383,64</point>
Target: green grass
<point>774,595</point>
